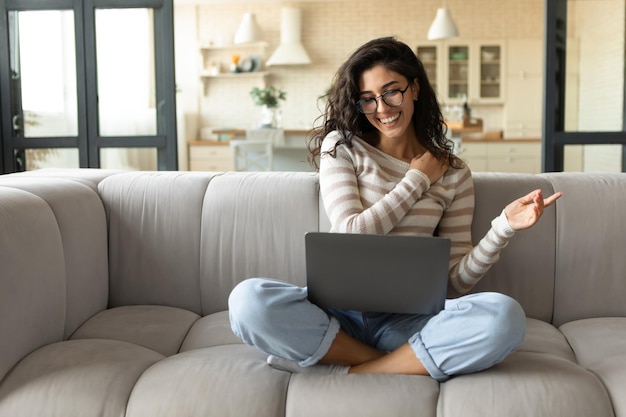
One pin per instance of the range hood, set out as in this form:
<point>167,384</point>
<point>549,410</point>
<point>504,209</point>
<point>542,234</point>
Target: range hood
<point>290,51</point>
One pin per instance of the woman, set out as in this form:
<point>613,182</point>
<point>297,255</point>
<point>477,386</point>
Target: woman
<point>385,166</point>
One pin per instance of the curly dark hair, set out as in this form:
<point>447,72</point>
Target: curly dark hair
<point>341,113</point>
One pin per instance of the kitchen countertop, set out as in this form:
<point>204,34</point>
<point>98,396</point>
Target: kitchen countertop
<point>304,132</point>
<point>293,139</point>
<point>500,140</point>
<point>457,129</point>
<point>242,132</point>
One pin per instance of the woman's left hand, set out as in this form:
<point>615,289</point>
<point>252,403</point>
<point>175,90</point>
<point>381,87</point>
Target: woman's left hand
<point>526,211</point>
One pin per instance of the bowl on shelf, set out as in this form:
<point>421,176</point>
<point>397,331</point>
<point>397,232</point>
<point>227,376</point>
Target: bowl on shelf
<point>458,56</point>
<point>250,64</point>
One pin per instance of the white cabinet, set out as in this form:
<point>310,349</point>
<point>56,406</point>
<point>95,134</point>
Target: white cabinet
<point>491,77</point>
<point>503,156</point>
<point>218,62</point>
<point>524,98</point>
<point>460,71</point>
<point>474,155</point>
<point>210,156</point>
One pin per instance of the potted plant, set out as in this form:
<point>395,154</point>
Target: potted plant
<point>269,99</point>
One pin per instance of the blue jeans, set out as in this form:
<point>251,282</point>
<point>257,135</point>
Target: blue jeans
<point>472,333</point>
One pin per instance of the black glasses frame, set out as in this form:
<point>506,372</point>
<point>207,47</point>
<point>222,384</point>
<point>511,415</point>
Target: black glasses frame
<point>360,103</point>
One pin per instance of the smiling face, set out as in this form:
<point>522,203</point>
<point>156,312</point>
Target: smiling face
<point>391,122</point>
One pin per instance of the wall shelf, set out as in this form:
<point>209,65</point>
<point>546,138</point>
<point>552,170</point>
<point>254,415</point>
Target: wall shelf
<point>216,61</point>
<point>254,74</point>
<point>234,47</point>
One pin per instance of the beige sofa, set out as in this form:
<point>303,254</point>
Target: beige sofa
<point>114,286</point>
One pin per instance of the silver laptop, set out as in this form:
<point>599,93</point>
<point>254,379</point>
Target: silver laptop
<point>377,273</point>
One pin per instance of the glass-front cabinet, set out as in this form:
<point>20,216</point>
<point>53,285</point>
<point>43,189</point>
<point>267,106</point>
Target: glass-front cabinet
<point>458,72</point>
<point>461,71</point>
<point>428,54</point>
<point>490,72</point>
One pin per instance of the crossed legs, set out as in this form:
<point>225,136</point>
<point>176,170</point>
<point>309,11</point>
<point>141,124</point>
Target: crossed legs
<point>472,333</point>
<point>364,359</point>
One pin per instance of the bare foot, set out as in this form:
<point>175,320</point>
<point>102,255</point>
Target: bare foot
<point>400,361</point>
<point>345,350</point>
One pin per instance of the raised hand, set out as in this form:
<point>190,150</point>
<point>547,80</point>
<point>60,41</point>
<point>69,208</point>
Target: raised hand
<point>526,211</point>
<point>429,165</point>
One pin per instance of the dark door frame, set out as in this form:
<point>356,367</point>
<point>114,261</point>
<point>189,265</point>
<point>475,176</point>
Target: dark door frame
<point>554,135</point>
<point>88,141</point>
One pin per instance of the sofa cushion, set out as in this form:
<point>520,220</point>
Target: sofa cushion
<point>259,235</point>
<point>32,284</point>
<point>600,346</point>
<point>159,328</point>
<point>590,248</point>
<point>526,384</point>
<point>75,378</point>
<point>371,395</point>
<point>225,381</point>
<point>542,337</point>
<point>154,237</point>
<point>211,330</point>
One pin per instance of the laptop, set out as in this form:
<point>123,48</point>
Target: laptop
<point>377,273</point>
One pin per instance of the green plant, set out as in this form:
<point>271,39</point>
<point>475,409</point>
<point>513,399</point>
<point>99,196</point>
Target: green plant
<point>268,96</point>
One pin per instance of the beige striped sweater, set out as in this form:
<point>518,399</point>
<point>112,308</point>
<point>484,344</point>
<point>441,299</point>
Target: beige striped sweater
<point>367,191</point>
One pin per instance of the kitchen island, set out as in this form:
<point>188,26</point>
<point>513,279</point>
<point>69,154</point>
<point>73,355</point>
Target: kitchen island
<point>216,155</point>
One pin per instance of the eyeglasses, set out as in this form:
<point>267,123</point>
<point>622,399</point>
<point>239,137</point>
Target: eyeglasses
<point>392,98</point>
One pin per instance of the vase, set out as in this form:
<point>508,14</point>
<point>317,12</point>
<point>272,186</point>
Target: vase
<point>268,116</point>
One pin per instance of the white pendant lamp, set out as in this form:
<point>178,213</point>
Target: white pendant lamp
<point>290,51</point>
<point>443,27</point>
<point>249,30</point>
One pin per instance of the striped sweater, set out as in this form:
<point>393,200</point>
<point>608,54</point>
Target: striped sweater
<point>368,191</point>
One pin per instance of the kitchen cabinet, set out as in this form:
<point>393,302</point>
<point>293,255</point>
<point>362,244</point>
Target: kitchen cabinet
<point>490,72</point>
<point>429,55</point>
<point>208,155</point>
<point>216,62</point>
<point>524,79</point>
<point>502,156</point>
<point>460,71</point>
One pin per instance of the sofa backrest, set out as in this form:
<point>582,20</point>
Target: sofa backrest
<point>253,225</point>
<point>591,246</point>
<point>53,261</point>
<point>570,265</point>
<point>30,249</point>
<point>154,221</point>
<point>186,239</point>
<point>525,270</point>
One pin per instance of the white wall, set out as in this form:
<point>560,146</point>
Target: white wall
<point>331,31</point>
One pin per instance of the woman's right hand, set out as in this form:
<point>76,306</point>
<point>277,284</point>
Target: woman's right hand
<point>429,165</point>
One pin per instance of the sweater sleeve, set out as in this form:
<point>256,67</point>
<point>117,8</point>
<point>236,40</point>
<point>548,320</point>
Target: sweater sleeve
<point>341,193</point>
<point>468,264</point>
